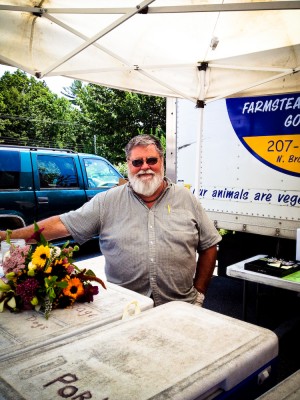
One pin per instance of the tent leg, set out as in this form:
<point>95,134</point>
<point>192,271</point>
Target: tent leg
<point>200,105</point>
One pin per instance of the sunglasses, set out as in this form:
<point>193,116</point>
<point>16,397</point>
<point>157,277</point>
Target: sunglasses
<point>139,162</point>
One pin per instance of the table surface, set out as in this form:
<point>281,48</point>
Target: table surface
<point>29,329</point>
<point>238,271</point>
<point>97,264</point>
<point>172,351</point>
<point>289,389</point>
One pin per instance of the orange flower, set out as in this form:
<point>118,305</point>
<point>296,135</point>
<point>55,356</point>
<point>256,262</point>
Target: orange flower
<point>74,289</point>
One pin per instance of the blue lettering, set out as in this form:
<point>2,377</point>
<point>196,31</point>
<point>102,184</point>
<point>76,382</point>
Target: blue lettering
<point>286,198</point>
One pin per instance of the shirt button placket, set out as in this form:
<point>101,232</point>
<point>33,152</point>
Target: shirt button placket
<point>152,260</point>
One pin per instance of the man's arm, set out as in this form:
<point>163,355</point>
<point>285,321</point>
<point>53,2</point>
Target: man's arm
<point>205,268</point>
<point>53,229</point>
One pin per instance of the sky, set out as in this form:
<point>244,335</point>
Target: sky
<point>55,84</point>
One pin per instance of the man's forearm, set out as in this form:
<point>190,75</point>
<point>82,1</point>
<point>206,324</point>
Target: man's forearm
<point>53,229</point>
<point>205,268</point>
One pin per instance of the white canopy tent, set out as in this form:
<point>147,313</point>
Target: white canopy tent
<point>198,50</point>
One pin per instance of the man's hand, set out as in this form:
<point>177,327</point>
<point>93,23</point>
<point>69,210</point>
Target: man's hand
<point>199,299</point>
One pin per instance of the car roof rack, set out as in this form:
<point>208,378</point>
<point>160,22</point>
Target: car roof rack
<point>35,148</point>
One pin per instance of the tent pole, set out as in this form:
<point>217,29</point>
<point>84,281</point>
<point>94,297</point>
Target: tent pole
<point>200,108</point>
<point>198,148</point>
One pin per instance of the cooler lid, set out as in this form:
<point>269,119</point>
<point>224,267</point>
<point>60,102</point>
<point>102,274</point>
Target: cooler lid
<point>30,329</point>
<point>173,351</point>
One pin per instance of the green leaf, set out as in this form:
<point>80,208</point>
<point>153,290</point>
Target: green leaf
<point>41,238</point>
<point>2,303</point>
<point>8,235</point>
<point>12,303</point>
<point>10,275</point>
<point>66,244</point>
<point>90,273</point>
<point>51,281</point>
<point>51,293</point>
<point>62,284</point>
<point>4,287</point>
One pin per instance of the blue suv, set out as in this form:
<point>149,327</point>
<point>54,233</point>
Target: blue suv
<point>36,182</point>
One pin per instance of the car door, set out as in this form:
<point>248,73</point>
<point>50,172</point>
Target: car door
<point>16,187</point>
<point>58,182</point>
<point>99,174</point>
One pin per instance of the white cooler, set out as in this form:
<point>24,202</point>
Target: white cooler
<point>174,351</point>
<point>26,330</point>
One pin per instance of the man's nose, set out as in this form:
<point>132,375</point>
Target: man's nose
<point>145,165</point>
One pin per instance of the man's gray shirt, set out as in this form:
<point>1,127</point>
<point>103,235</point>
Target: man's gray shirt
<point>147,250</point>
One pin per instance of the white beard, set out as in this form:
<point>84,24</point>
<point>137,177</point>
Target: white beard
<point>146,187</point>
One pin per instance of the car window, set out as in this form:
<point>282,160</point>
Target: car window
<point>9,169</point>
<point>100,173</point>
<point>57,172</point>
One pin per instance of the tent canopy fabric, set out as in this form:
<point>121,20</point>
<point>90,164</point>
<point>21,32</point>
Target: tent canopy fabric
<point>198,50</point>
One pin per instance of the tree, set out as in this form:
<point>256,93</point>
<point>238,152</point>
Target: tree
<point>90,118</point>
<point>32,114</point>
<point>113,117</point>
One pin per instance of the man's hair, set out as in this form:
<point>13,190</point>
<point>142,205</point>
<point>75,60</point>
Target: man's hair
<point>144,140</point>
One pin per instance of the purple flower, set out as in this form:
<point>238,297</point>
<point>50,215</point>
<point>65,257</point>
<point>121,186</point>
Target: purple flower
<point>27,290</point>
<point>36,235</point>
<point>89,292</point>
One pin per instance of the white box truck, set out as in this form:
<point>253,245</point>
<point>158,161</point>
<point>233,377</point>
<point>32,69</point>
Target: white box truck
<point>242,157</point>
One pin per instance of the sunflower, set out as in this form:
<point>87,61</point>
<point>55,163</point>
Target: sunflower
<point>74,289</point>
<point>59,270</point>
<point>62,301</point>
<point>40,255</point>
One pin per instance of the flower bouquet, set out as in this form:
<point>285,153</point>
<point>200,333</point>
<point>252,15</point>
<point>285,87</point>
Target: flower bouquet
<point>43,277</point>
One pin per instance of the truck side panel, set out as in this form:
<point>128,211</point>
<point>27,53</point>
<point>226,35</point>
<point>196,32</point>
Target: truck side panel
<point>243,185</point>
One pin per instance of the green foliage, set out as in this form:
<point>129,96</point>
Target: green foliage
<point>122,168</point>
<point>112,117</point>
<point>89,118</point>
<point>30,112</point>
<point>224,232</point>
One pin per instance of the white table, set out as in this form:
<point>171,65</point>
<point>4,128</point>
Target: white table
<point>96,264</point>
<point>175,351</point>
<point>238,271</point>
<point>289,389</point>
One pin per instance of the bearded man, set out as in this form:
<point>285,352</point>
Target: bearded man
<point>155,236</point>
